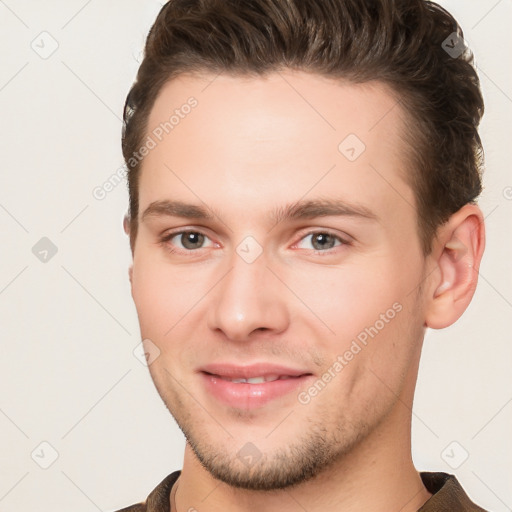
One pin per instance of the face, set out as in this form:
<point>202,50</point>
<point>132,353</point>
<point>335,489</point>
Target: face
<point>277,240</point>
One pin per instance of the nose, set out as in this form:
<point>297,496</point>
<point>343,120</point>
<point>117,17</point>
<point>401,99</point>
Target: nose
<point>249,298</point>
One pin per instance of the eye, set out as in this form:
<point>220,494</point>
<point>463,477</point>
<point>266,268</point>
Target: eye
<point>189,241</point>
<point>321,241</point>
<point>186,240</point>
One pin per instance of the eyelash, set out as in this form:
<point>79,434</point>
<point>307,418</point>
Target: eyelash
<point>164,240</point>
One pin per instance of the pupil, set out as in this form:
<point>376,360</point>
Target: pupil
<point>324,240</point>
<point>191,240</point>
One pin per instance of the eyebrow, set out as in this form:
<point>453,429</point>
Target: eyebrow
<point>299,210</point>
<point>177,209</point>
<point>310,209</point>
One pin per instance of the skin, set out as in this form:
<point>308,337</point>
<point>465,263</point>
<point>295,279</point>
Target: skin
<point>252,145</point>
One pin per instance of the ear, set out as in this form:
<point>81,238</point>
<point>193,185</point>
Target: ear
<point>457,252</point>
<point>126,223</point>
<point>126,227</point>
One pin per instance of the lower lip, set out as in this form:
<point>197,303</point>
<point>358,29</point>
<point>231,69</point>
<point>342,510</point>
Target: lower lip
<point>243,395</point>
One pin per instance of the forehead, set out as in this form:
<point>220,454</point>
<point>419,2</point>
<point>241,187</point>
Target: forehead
<point>275,139</point>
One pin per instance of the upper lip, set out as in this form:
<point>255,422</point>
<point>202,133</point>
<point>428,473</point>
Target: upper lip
<point>234,371</point>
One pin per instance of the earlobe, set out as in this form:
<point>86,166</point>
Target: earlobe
<point>460,245</point>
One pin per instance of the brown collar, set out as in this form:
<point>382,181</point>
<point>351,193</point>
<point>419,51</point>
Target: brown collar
<point>447,495</point>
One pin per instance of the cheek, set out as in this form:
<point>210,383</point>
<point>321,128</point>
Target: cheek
<point>345,299</point>
<point>154,291</point>
<point>168,298</point>
<point>367,313</point>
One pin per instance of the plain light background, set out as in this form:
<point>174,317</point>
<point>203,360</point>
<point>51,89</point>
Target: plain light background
<point>74,397</point>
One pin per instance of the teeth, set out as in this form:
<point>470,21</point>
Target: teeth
<point>257,380</point>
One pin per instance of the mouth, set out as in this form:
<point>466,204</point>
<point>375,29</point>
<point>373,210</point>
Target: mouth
<point>247,387</point>
<point>265,371</point>
<point>254,380</point>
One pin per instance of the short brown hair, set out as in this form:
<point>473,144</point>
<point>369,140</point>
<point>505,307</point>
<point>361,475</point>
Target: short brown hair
<point>413,46</point>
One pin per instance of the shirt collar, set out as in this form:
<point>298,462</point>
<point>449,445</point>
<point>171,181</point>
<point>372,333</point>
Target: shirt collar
<point>447,495</point>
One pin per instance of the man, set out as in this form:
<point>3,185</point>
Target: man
<point>303,177</point>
